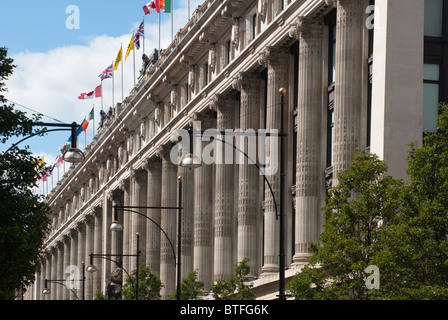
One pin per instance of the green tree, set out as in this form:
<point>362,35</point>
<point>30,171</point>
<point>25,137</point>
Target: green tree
<point>415,264</point>
<point>149,285</point>
<point>358,211</point>
<point>24,221</point>
<point>190,288</point>
<point>235,288</point>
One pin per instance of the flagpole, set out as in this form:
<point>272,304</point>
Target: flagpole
<point>113,86</point>
<point>172,21</point>
<point>101,95</point>
<point>122,77</point>
<point>143,34</point>
<point>159,32</point>
<point>133,51</point>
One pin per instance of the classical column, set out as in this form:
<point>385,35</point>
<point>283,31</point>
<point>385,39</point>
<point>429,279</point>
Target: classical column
<point>309,33</point>
<point>348,83</point>
<point>168,222</point>
<point>224,105</point>
<point>89,220</point>
<point>99,277</point>
<point>187,220</point>
<point>54,274</point>
<point>248,176</point>
<point>139,222</point>
<point>126,216</point>
<point>117,236</point>
<point>63,260</point>
<point>277,62</point>
<point>203,208</point>
<point>73,261</point>
<point>81,252</point>
<point>154,197</point>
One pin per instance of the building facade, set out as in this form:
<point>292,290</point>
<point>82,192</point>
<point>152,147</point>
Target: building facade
<point>352,82</point>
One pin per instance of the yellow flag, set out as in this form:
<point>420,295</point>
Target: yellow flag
<point>130,47</point>
<point>118,59</point>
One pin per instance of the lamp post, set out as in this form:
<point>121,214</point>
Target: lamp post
<point>73,154</point>
<point>117,226</point>
<point>47,291</point>
<point>92,268</point>
<point>192,162</point>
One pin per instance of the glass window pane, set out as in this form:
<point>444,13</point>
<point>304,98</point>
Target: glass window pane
<point>430,106</point>
<point>433,18</point>
<point>431,72</point>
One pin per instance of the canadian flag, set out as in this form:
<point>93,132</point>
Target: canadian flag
<point>85,96</point>
<point>152,6</point>
<point>92,94</point>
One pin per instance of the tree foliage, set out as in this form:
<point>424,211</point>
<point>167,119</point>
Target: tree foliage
<point>24,220</point>
<point>149,285</point>
<point>372,219</point>
<point>235,288</point>
<point>190,288</point>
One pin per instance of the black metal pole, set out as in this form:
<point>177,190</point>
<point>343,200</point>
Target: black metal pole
<point>74,135</point>
<point>282,186</point>
<point>179,240</point>
<point>138,255</point>
<point>83,280</point>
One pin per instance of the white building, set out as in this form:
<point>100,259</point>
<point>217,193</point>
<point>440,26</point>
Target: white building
<point>352,82</point>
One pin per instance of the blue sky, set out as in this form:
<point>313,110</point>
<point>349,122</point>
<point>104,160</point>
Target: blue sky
<point>56,64</point>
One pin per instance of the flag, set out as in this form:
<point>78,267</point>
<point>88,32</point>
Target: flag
<point>137,42</point>
<point>85,96</point>
<point>66,146</point>
<point>165,5</point>
<point>58,161</point>
<point>107,73</point>
<point>84,125</point>
<point>39,163</point>
<point>130,47</point>
<point>141,29</point>
<point>98,91</point>
<point>91,115</point>
<point>118,59</point>
<point>152,6</point>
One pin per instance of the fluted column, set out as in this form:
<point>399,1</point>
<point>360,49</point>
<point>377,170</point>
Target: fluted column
<point>72,262</point>
<point>89,220</point>
<point>139,195</point>
<point>63,260</point>
<point>277,62</point>
<point>348,83</point>
<point>126,216</point>
<point>54,274</point>
<point>248,176</point>
<point>168,222</point>
<point>99,278</point>
<point>154,168</point>
<point>203,209</point>
<point>117,236</point>
<point>187,219</point>
<point>224,191</point>
<point>309,33</point>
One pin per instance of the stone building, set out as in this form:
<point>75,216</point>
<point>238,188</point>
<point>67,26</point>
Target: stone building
<point>351,82</point>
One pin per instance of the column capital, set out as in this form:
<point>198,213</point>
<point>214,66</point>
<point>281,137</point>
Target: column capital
<point>273,56</point>
<point>153,164</point>
<point>164,150</point>
<point>305,27</point>
<point>219,101</point>
<point>246,81</point>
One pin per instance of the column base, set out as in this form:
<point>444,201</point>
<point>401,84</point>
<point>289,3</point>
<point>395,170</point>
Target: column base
<point>270,268</point>
<point>301,259</point>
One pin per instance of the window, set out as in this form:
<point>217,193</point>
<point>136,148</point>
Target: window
<point>228,52</point>
<point>431,77</point>
<point>253,27</point>
<point>433,18</point>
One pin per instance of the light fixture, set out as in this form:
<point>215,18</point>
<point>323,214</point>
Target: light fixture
<point>73,155</point>
<point>190,161</point>
<point>92,268</point>
<point>46,291</point>
<point>116,226</point>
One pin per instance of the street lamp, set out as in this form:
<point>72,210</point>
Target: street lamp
<point>187,162</point>
<point>72,155</point>
<point>92,268</point>
<point>117,226</point>
<point>47,291</point>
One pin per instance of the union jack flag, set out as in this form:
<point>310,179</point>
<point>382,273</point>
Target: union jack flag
<point>141,29</point>
<point>137,42</point>
<point>107,74</point>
